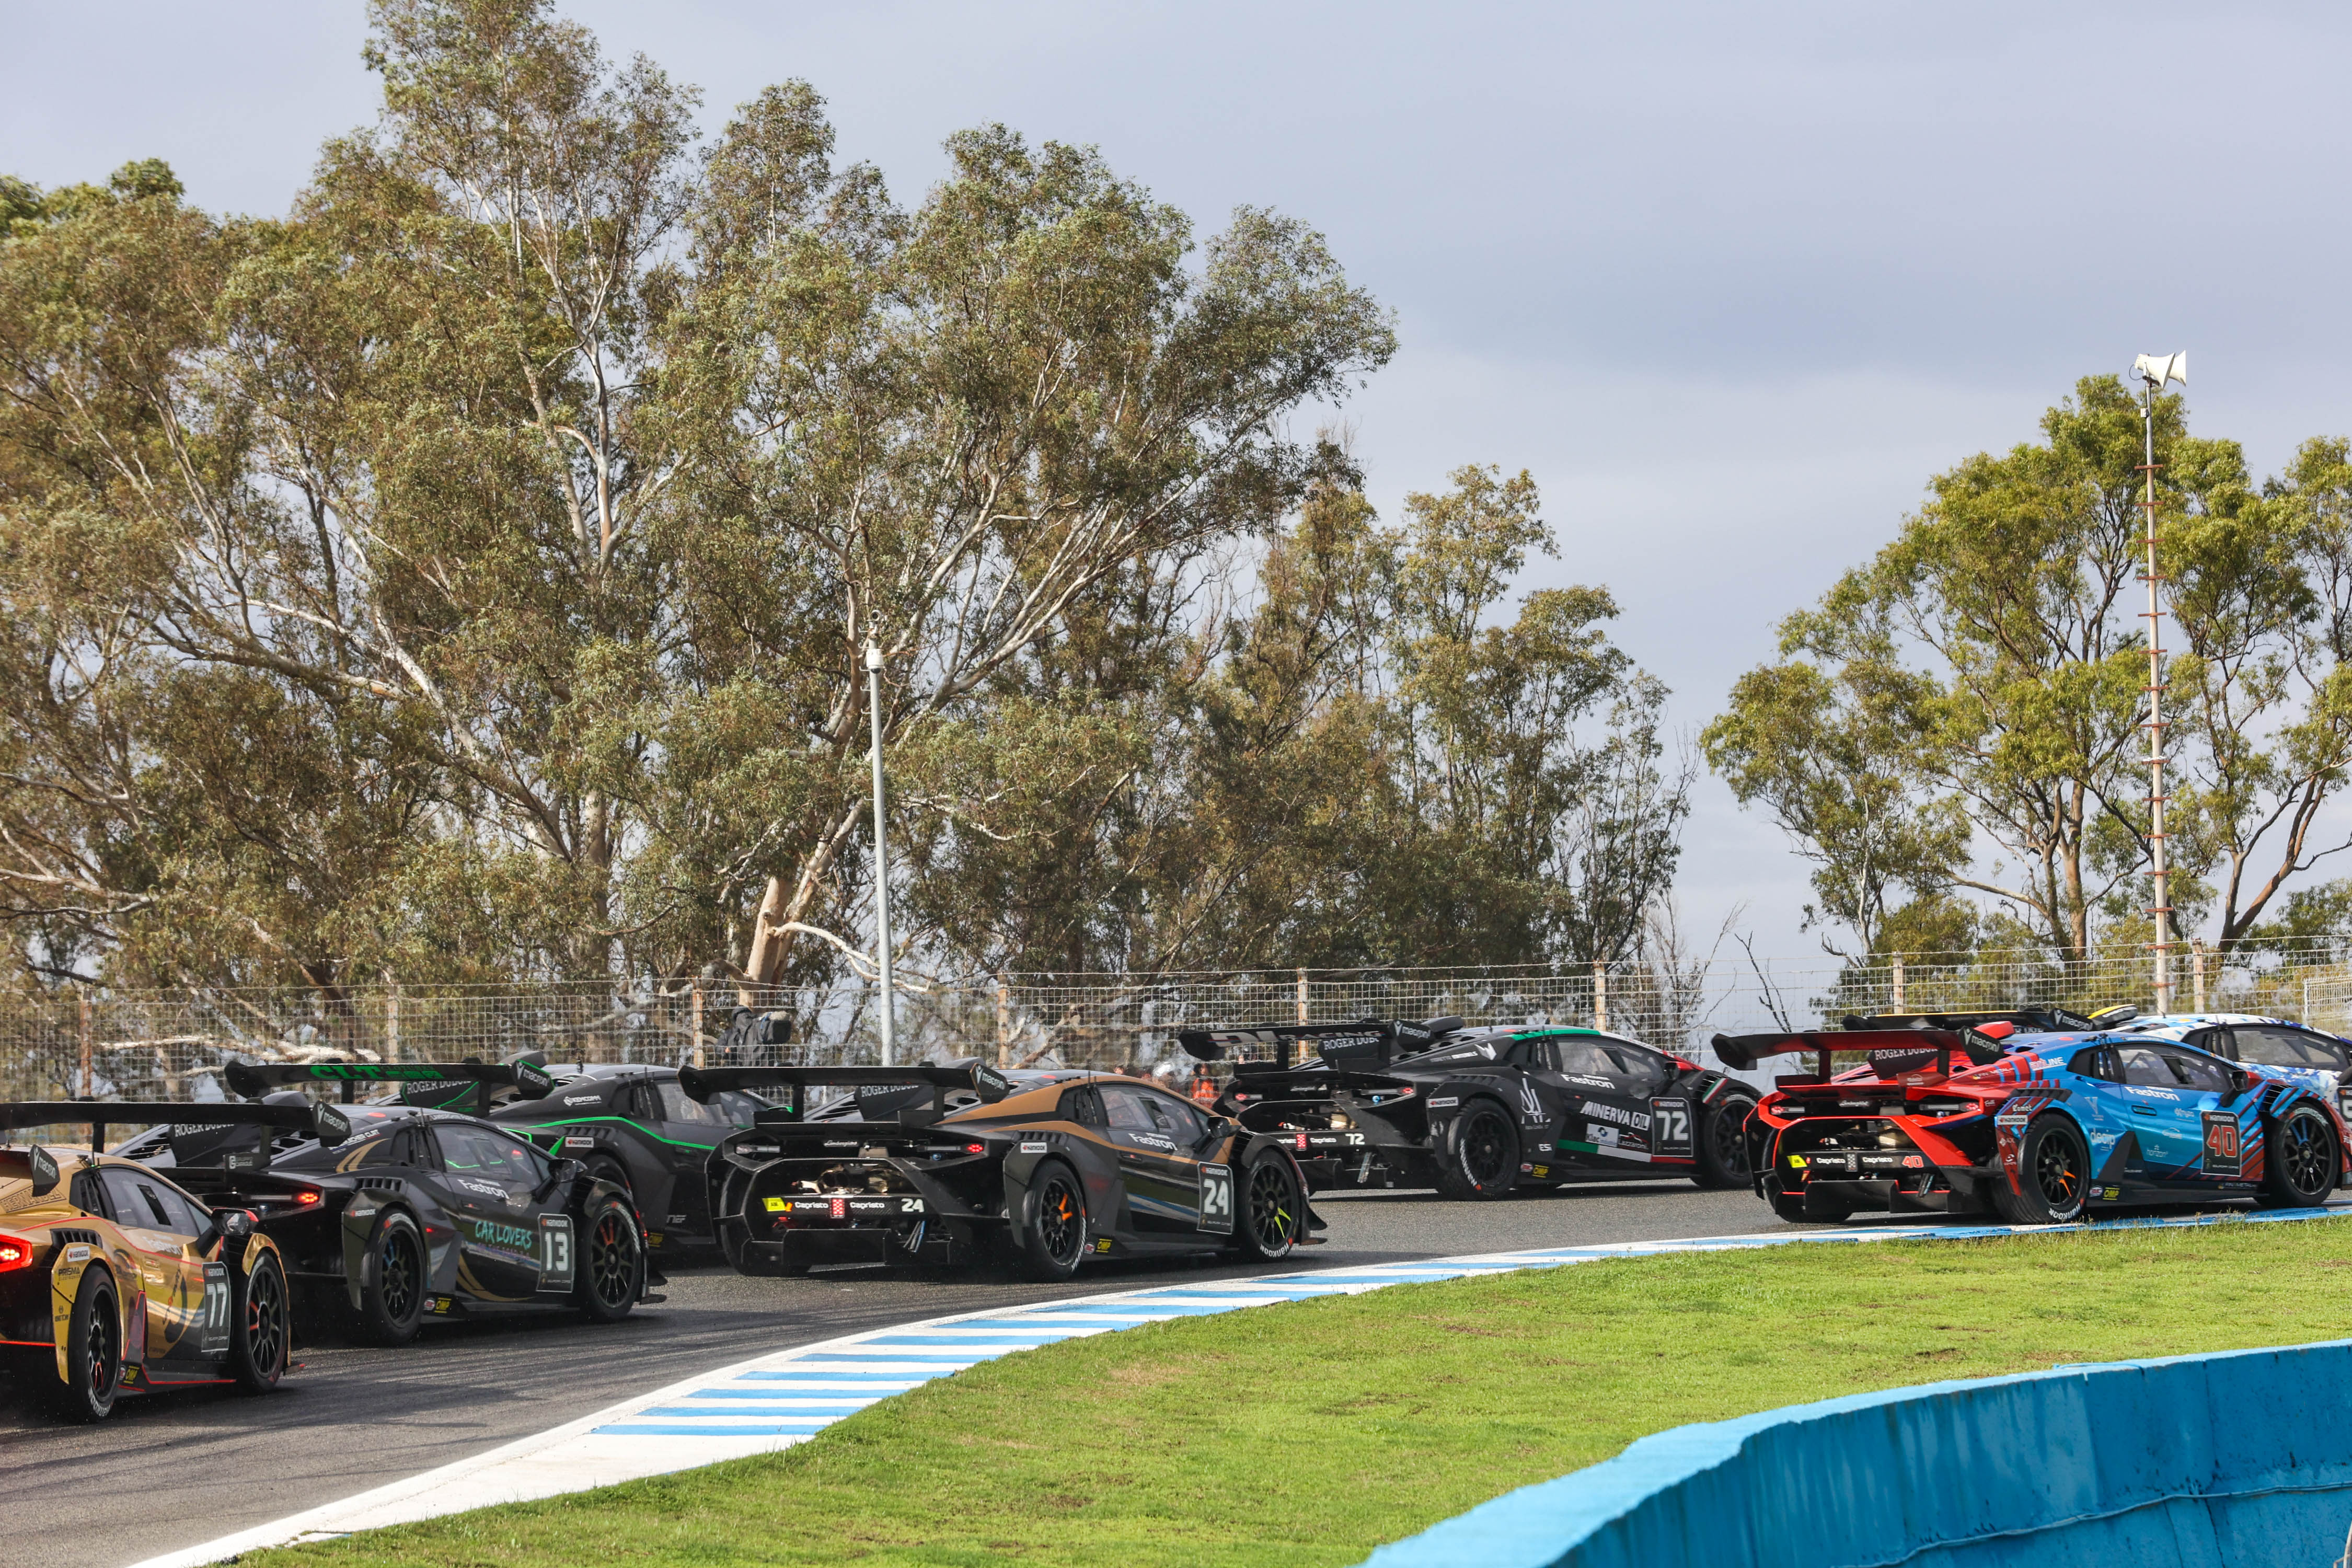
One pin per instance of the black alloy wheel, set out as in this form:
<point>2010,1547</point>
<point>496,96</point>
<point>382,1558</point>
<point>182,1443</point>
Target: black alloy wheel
<point>258,1352</point>
<point>93,1353</point>
<point>609,1284</point>
<point>1270,1209</point>
<point>2053,1174</point>
<point>1723,1143</point>
<point>2300,1168</point>
<point>1480,1154</point>
<point>1054,1224</point>
<point>392,1288</point>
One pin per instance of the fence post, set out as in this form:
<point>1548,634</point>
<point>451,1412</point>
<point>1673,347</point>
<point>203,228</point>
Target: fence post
<point>1898,982</point>
<point>2305,1019</point>
<point>88,1047</point>
<point>1302,996</point>
<point>1004,1022</point>
<point>392,1024</point>
<point>696,1006</point>
<point>1600,994</point>
<point>2197,972</point>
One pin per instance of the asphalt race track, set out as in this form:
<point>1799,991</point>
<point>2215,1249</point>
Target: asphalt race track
<point>172,1472</point>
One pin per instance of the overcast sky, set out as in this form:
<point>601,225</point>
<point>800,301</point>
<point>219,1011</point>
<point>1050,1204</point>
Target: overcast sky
<point>1732,281</point>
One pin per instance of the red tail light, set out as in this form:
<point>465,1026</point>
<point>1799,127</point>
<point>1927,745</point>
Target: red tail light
<point>16,1252</point>
<point>975,1148</point>
<point>306,1199</point>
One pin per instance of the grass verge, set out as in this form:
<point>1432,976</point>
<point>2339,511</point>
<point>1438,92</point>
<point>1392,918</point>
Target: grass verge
<point>1308,1433</point>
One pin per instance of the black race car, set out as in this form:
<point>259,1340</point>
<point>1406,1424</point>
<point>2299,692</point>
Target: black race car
<point>947,1166</point>
<point>417,1213</point>
<point>1477,1112</point>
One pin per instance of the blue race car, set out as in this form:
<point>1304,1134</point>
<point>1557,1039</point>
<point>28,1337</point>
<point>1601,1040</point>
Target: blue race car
<point>2034,1128</point>
<point>2305,1056</point>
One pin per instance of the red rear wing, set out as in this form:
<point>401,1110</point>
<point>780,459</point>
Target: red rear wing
<point>1893,1053</point>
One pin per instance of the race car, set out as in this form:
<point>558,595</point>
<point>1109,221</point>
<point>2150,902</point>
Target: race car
<point>113,1280</point>
<point>2304,1055</point>
<point>630,1125</point>
<point>2037,1129</point>
<point>962,1164</point>
<point>414,1213</point>
<point>1477,1113</point>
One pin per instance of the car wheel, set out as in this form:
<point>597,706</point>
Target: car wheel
<point>1270,1209</point>
<point>612,1264</point>
<point>2053,1167</point>
<point>392,1281</point>
<point>2300,1160</point>
<point>1723,1143</point>
<point>1052,1235</point>
<point>1478,1153</point>
<point>260,1327</point>
<point>93,1353</point>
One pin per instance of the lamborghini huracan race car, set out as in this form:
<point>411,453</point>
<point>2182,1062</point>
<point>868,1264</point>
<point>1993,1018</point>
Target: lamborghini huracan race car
<point>2034,1128</point>
<point>1477,1112</point>
<point>630,1125</point>
<point>2305,1056</point>
<point>414,1214</point>
<point>944,1166</point>
<point>114,1281</point>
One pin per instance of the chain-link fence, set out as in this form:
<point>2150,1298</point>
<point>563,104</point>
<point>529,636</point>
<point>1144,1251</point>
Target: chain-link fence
<point>71,1041</point>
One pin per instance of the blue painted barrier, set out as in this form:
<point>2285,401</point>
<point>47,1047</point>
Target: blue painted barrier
<point>2242,1459</point>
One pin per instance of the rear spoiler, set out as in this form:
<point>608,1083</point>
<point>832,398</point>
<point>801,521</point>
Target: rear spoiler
<point>2038,1020</point>
<point>322,1121</point>
<point>422,1083</point>
<point>1890,1050</point>
<point>1371,1043</point>
<point>879,1089</point>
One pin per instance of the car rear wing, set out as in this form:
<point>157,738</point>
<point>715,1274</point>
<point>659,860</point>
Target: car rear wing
<point>1368,1044</point>
<point>907,1094</point>
<point>2031,1020</point>
<point>1891,1051</point>
<point>192,1122</point>
<point>438,1084</point>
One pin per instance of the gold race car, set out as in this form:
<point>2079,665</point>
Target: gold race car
<point>113,1280</point>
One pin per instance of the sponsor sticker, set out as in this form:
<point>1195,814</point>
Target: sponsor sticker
<point>584,1099</point>
<point>77,1254</point>
<point>1442,1101</point>
<point>1102,1244</point>
<point>778,1206</point>
<point>1600,1133</point>
<point>576,1143</point>
<point>442,1304</point>
<point>1601,1112</point>
<point>1541,1171</point>
<point>1035,1146</point>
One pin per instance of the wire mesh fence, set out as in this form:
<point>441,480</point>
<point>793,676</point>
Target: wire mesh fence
<point>73,1042</point>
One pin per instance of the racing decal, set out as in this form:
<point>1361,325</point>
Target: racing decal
<point>1035,1146</point>
<point>442,1306</point>
<point>77,1255</point>
<point>849,1209</point>
<point>584,1099</point>
<point>1444,1100</point>
<point>555,1262</point>
<point>1530,1104</point>
<point>576,1143</point>
<point>1102,1244</point>
<point>1539,1170</point>
<point>1638,1121</point>
<point>1217,1199</point>
<point>1916,1058</point>
<point>1670,1127</point>
<point>1588,1081</point>
<point>212,1318</point>
<point>778,1206</point>
<point>2223,1155</point>
<point>520,1242</point>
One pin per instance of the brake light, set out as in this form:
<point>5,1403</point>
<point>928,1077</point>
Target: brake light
<point>975,1148</point>
<point>306,1199</point>
<point>16,1252</point>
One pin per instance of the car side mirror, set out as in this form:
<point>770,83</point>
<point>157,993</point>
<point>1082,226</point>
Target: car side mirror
<point>235,1224</point>
<point>566,1173</point>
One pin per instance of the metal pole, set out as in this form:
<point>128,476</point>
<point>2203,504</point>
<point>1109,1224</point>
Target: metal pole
<point>2163,908</point>
<point>881,856</point>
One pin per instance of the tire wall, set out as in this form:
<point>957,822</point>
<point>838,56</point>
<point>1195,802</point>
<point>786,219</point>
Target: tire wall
<point>2243,1458</point>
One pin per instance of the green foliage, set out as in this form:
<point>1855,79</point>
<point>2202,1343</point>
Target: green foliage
<point>1312,1432</point>
<point>1977,692</point>
<point>468,576</point>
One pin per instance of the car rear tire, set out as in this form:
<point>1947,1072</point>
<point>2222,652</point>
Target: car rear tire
<point>261,1326</point>
<point>2300,1160</point>
<point>612,1263</point>
<point>1478,1153</point>
<point>93,1353</point>
<point>392,1281</point>
<point>1723,1143</point>
<point>1050,1237</point>
<point>1266,1227</point>
<point>2053,1167</point>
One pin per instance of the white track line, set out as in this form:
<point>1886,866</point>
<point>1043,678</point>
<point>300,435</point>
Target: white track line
<point>774,1400</point>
